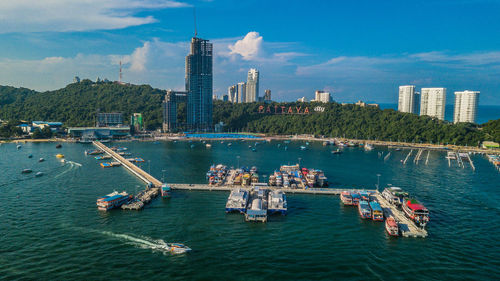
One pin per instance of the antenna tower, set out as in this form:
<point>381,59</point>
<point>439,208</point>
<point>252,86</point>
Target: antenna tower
<point>120,77</point>
<point>194,16</point>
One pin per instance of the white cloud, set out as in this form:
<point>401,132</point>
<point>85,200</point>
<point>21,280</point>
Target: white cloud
<point>76,15</point>
<point>249,47</point>
<point>474,59</point>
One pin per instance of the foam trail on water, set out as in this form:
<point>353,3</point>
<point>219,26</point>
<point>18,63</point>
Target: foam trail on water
<point>143,242</point>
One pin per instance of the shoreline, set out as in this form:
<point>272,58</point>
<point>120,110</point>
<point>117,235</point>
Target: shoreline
<point>262,137</point>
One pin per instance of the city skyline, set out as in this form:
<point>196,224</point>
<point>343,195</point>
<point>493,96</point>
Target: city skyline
<point>151,39</point>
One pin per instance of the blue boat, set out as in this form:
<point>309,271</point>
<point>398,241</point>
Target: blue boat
<point>377,212</point>
<point>364,209</point>
<point>112,200</point>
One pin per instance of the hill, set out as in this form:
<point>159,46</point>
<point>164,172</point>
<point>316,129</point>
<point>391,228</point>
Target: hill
<point>77,103</point>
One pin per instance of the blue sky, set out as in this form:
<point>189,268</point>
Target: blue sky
<point>355,49</point>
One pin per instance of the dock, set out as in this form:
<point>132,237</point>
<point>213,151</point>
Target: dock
<point>406,226</point>
<point>143,197</point>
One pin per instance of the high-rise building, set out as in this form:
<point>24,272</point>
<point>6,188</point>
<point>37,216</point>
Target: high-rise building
<point>432,102</point>
<point>199,84</point>
<point>170,103</point>
<point>232,93</point>
<point>225,98</point>
<point>267,95</point>
<point>466,106</point>
<point>408,99</point>
<point>242,92</point>
<point>252,91</point>
<point>322,96</point>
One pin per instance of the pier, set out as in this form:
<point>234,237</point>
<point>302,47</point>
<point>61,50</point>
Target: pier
<point>143,197</point>
<point>406,226</point>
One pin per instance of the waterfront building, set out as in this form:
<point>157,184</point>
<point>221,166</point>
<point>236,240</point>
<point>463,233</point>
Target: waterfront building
<point>252,87</point>
<point>302,99</point>
<point>232,93</point>
<point>112,119</point>
<point>267,95</point>
<point>170,104</point>
<point>466,106</point>
<point>322,96</point>
<point>241,92</point>
<point>98,133</point>
<point>55,127</point>
<point>432,102</point>
<point>408,99</point>
<point>364,104</point>
<point>136,122</point>
<point>199,85</point>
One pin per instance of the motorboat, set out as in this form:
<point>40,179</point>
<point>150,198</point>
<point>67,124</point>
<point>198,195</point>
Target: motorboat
<point>39,174</point>
<point>41,160</point>
<point>175,248</point>
<point>26,171</point>
<point>391,226</point>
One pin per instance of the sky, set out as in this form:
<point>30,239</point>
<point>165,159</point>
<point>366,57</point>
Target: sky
<point>357,50</point>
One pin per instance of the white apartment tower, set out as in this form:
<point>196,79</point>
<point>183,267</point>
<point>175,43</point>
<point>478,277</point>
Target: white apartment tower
<point>407,99</point>
<point>466,106</point>
<point>322,96</point>
<point>252,91</point>
<point>432,102</point>
<point>232,92</point>
<point>241,92</point>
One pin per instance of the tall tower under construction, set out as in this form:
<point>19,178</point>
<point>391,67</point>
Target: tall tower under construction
<point>199,85</point>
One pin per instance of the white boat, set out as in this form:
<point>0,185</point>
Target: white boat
<point>175,248</point>
<point>39,174</point>
<point>237,201</point>
<point>277,202</point>
<point>208,145</point>
<point>256,212</point>
<point>41,160</point>
<point>395,195</point>
<point>19,146</point>
<point>368,147</point>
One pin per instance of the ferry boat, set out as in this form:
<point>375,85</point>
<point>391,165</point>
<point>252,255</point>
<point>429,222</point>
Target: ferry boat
<point>277,202</point>
<point>165,191</point>
<point>377,213</point>
<point>346,198</point>
<point>416,212</point>
<point>364,195</point>
<point>392,226</point>
<point>237,201</point>
<point>112,200</point>
<point>355,198</point>
<point>256,211</point>
<point>395,195</point>
<point>364,209</point>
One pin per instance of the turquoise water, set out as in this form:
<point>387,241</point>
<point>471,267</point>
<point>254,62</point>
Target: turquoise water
<point>51,229</point>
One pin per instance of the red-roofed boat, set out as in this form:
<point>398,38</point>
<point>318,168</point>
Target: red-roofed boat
<point>391,226</point>
<point>417,212</point>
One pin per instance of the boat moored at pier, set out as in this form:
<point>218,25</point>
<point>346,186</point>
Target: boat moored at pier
<point>392,226</point>
<point>277,202</point>
<point>416,212</point>
<point>256,212</point>
<point>346,198</point>
<point>113,200</point>
<point>364,209</point>
<point>395,195</point>
<point>377,212</point>
<point>237,201</point>
<point>165,191</point>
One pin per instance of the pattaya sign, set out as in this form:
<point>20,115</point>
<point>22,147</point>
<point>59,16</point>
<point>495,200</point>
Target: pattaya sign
<point>283,110</point>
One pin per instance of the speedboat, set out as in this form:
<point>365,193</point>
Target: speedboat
<point>30,156</point>
<point>41,160</point>
<point>26,171</point>
<point>175,248</point>
<point>303,147</point>
<point>39,174</point>
<point>18,146</point>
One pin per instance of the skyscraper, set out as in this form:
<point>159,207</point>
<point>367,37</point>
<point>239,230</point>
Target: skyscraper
<point>242,92</point>
<point>267,95</point>
<point>232,93</point>
<point>408,100</point>
<point>466,106</point>
<point>252,91</point>
<point>199,84</point>
<point>432,102</point>
<point>322,96</point>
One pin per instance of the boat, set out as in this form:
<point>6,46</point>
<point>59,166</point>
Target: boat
<point>277,202</point>
<point>60,155</point>
<point>30,156</point>
<point>416,212</point>
<point>395,195</point>
<point>41,160</point>
<point>365,195</point>
<point>103,157</point>
<point>208,145</point>
<point>58,146</point>
<point>355,198</point>
<point>39,174</point>
<point>254,149</point>
<point>364,209</point>
<point>303,147</point>
<point>368,147</point>
<point>93,152</point>
<point>336,151</point>
<point>175,248</point>
<point>237,201</point>
<point>256,211</point>
<point>377,212</point>
<point>19,146</point>
<point>112,200</point>
<point>346,198</point>
<point>26,171</point>
<point>392,226</point>
<point>165,191</point>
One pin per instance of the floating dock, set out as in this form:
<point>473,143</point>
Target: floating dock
<point>406,226</point>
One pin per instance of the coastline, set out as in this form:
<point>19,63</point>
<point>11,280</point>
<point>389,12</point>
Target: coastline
<point>170,137</point>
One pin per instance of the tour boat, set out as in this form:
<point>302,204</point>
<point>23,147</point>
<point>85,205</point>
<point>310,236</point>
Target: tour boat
<point>112,200</point>
<point>364,209</point>
<point>277,202</point>
<point>417,212</point>
<point>346,198</point>
<point>377,213</point>
<point>391,226</point>
<point>395,195</point>
<point>256,212</point>
<point>237,201</point>
<point>355,198</point>
<point>165,191</point>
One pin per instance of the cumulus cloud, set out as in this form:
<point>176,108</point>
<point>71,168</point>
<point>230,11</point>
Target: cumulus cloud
<point>76,15</point>
<point>249,47</point>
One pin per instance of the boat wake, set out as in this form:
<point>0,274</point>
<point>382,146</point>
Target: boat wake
<point>149,243</point>
<point>72,165</point>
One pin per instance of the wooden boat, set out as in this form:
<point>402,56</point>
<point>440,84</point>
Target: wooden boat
<point>392,226</point>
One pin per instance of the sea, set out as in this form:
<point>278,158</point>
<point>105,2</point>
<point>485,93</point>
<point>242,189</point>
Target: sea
<point>51,229</point>
<point>485,113</point>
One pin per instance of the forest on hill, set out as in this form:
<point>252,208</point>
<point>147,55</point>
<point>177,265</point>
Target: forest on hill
<point>78,103</point>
